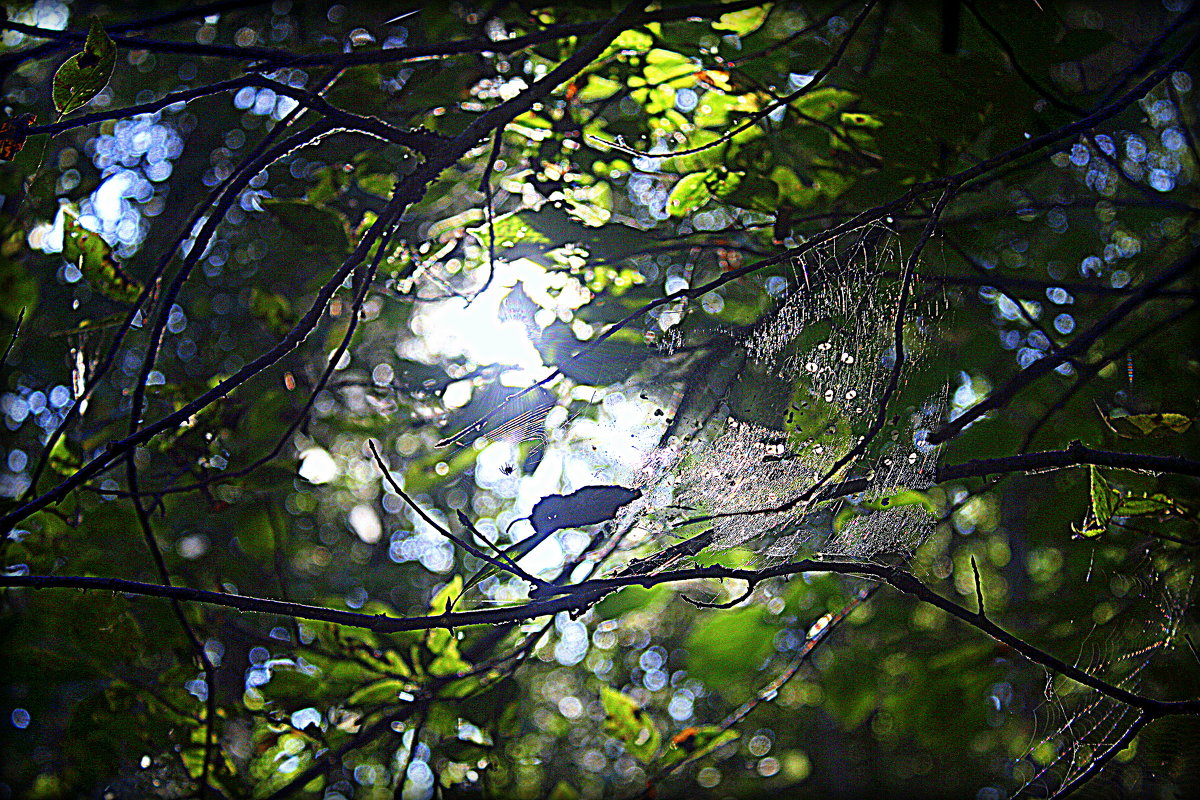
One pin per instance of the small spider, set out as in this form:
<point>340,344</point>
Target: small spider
<point>508,469</point>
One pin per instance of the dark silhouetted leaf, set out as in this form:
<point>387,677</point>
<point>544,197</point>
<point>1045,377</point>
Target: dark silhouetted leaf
<point>610,361</point>
<point>585,506</point>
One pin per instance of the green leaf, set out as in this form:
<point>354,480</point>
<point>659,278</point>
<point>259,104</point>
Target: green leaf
<point>25,153</point>
<point>447,660</point>
<point>1104,499</point>
<point>597,88</point>
<point>444,599</point>
<point>630,598</point>
<point>1104,502</point>
<point>291,684</point>
<point>272,308</point>
<point>18,289</point>
<point>441,643</point>
<point>664,65</point>
<point>715,108</point>
<point>381,691</point>
<point>633,40</point>
<point>824,103</point>
<point>742,22</point>
<point>625,720</point>
<point>1145,505</point>
<point>84,74</point>
<point>860,120</point>
<point>564,791</point>
<point>62,460</point>
<point>725,650</point>
<point>1136,426</point>
<point>693,743</point>
<point>89,252</point>
<point>533,234</point>
<point>689,194</point>
<point>903,497</point>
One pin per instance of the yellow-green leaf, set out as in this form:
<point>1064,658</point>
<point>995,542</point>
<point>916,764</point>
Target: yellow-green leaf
<point>598,88</point>
<point>690,193</point>
<point>861,120</point>
<point>696,742</point>
<point>85,74</point>
<point>381,691</point>
<point>824,103</point>
<point>564,791</point>
<point>1103,505</point>
<point>1138,425</point>
<point>62,460</point>
<point>1145,505</point>
<point>625,720</point>
<point>444,599</point>
<point>88,251</point>
<point>742,22</point>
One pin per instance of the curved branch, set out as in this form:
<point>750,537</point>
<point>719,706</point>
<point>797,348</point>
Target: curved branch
<point>580,596</point>
<point>1019,68</point>
<point>269,58</point>
<point>1076,455</point>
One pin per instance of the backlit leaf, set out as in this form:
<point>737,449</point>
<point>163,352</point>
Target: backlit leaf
<point>624,719</point>
<point>695,742</point>
<point>742,22</point>
<point>689,194</point>
<point>85,74</point>
<point>1103,504</point>
<point>93,256</point>
<point>1137,426</point>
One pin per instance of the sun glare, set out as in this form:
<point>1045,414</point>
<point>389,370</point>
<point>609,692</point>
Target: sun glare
<point>475,328</point>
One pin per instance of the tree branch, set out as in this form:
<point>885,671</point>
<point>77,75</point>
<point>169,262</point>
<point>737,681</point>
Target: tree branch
<point>408,190</point>
<point>580,596</point>
<point>1078,346</point>
<point>1075,455</point>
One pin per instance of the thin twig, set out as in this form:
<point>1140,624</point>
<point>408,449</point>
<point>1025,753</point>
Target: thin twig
<point>1079,345</point>
<point>442,529</point>
<point>12,339</point>
<point>489,210</point>
<point>1018,67</point>
<point>978,589</point>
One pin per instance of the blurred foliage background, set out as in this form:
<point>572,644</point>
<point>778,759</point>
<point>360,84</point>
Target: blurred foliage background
<point>154,252</point>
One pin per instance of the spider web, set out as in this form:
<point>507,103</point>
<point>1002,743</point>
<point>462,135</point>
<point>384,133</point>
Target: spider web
<point>1079,724</point>
<point>781,411</point>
